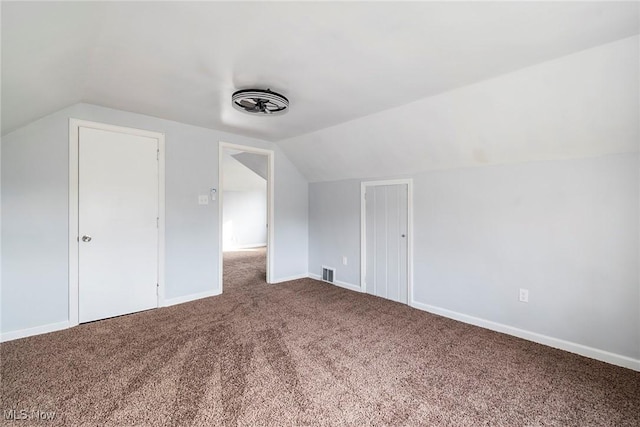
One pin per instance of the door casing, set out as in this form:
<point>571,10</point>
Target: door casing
<point>363,232</point>
<point>270,205</point>
<point>74,125</point>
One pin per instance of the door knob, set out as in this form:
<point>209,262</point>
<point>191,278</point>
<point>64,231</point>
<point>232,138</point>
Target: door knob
<point>86,238</point>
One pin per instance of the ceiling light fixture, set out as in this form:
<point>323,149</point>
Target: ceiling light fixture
<point>260,101</point>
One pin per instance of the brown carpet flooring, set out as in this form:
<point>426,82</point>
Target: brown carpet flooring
<point>305,353</point>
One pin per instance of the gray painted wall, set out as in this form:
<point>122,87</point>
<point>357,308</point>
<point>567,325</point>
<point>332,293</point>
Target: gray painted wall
<point>35,224</point>
<point>334,229</point>
<point>244,219</point>
<point>244,208</point>
<point>567,230</point>
<point>238,177</point>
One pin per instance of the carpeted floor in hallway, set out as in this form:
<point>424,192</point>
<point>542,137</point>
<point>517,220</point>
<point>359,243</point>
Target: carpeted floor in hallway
<point>305,353</point>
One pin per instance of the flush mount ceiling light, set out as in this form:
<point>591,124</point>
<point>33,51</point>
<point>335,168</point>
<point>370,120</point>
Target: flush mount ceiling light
<point>260,102</point>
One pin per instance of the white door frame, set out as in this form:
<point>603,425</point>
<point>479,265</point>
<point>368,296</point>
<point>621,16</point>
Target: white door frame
<point>270,198</point>
<point>74,125</point>
<point>363,232</point>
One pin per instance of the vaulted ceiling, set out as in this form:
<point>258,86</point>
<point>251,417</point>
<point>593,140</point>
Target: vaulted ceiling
<point>334,61</point>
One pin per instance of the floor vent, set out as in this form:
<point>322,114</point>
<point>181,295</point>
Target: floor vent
<point>327,274</point>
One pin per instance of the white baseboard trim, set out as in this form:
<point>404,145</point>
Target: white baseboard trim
<point>23,333</point>
<point>286,279</point>
<point>338,283</point>
<point>348,286</point>
<point>583,350</point>
<point>52,327</point>
<point>192,297</point>
<point>241,247</point>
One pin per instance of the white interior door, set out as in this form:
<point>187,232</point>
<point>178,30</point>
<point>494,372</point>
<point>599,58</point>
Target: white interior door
<point>117,223</point>
<point>386,228</point>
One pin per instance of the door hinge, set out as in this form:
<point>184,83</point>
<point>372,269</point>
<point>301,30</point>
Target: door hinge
<point>157,289</point>
<point>158,154</point>
<point>157,222</point>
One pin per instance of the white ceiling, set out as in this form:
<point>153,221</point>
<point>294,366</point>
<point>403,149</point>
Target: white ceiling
<point>582,105</point>
<point>334,61</point>
<point>238,177</point>
<point>257,163</point>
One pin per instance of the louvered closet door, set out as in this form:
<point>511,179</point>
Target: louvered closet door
<point>386,241</point>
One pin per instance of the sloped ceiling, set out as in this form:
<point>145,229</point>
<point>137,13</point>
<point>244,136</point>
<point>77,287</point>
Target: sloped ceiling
<point>238,177</point>
<point>335,61</point>
<point>256,162</point>
<point>582,105</point>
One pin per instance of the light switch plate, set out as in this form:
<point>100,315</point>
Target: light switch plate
<point>524,295</point>
<point>203,199</point>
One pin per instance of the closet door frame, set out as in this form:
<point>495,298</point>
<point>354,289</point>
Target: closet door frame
<point>74,134</point>
<point>363,232</point>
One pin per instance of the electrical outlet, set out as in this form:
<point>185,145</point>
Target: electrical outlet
<point>203,199</point>
<point>344,260</point>
<point>524,295</point>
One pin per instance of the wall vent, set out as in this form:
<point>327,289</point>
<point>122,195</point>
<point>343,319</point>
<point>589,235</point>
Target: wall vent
<point>328,274</point>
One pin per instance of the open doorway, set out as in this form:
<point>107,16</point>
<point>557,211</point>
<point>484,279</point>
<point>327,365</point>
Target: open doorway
<point>246,213</point>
